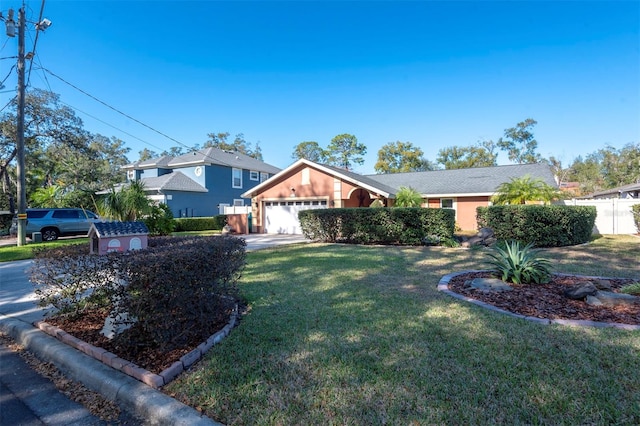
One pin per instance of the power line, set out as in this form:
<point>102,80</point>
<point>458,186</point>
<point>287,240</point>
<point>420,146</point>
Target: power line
<point>8,103</point>
<point>110,125</point>
<point>8,74</point>
<point>3,46</point>
<point>131,118</point>
<point>35,42</point>
<point>44,76</point>
<point>115,109</point>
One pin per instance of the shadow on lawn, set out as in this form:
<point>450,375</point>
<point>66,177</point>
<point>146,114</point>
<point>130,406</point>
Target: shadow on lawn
<point>354,334</point>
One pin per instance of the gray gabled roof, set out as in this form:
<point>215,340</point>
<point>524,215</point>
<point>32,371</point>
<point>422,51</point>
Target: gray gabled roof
<point>616,191</point>
<point>176,181</point>
<point>223,158</point>
<point>161,162</point>
<point>119,229</point>
<point>476,181</point>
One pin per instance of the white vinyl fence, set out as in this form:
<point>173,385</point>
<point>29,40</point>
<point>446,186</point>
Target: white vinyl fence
<point>237,210</point>
<point>614,214</point>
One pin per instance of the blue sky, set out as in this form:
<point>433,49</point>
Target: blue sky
<point>436,74</point>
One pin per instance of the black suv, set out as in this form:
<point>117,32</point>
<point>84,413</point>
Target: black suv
<point>54,223</point>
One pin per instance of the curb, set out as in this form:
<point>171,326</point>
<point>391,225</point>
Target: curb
<point>136,397</point>
<point>443,286</point>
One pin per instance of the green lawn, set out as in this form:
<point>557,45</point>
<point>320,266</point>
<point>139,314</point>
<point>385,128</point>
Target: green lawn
<point>338,334</point>
<point>11,253</point>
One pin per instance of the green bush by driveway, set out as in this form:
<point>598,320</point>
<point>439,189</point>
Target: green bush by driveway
<point>405,226</point>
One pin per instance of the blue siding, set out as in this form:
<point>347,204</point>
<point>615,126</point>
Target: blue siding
<point>191,204</point>
<point>217,179</point>
<point>148,173</point>
<point>190,172</point>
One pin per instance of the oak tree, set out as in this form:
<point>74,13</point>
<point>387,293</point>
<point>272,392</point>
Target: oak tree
<point>399,157</point>
<point>520,143</point>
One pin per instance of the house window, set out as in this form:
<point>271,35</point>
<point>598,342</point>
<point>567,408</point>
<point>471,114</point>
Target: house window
<point>446,203</point>
<point>238,202</point>
<point>236,178</point>
<point>263,176</point>
<point>253,175</point>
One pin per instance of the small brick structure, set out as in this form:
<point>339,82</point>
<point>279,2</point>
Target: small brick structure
<point>108,237</point>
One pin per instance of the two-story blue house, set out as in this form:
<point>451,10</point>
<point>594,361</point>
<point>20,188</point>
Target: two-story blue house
<point>200,183</point>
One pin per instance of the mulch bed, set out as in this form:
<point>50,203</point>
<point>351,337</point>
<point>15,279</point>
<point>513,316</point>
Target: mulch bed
<point>87,326</point>
<point>548,301</point>
<point>535,300</point>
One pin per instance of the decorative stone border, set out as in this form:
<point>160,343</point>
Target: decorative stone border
<point>156,381</point>
<point>443,286</point>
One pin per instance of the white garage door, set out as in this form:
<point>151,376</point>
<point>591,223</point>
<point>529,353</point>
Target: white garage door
<point>281,217</point>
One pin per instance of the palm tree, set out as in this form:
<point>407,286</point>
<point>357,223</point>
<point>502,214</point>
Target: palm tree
<point>523,189</point>
<point>51,196</point>
<point>127,204</point>
<point>408,197</point>
<point>136,202</point>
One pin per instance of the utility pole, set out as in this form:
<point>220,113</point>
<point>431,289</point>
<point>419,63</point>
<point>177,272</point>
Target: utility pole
<point>20,169</point>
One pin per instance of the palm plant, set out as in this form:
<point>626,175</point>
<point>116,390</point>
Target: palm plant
<point>519,264</point>
<point>408,197</point>
<point>51,196</point>
<point>523,189</point>
<point>135,200</point>
<point>127,204</point>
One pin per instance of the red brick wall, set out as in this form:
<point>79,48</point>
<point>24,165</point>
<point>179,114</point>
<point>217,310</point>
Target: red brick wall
<point>239,223</point>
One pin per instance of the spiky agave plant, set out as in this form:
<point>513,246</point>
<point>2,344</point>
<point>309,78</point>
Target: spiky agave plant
<point>513,262</point>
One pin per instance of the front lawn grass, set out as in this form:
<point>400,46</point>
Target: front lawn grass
<point>11,253</point>
<point>339,334</point>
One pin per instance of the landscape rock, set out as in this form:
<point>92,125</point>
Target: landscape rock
<point>593,301</point>
<point>485,233</point>
<point>608,298</point>
<point>602,284</point>
<point>581,290</point>
<point>484,237</point>
<point>490,285</point>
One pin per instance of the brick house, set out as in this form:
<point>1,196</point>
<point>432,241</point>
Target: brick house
<point>307,185</point>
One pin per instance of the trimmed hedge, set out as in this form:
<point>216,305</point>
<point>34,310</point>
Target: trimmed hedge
<point>215,223</point>
<point>542,225</point>
<point>175,289</point>
<point>405,226</point>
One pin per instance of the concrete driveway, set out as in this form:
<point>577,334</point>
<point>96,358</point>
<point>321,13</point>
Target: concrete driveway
<point>18,300</point>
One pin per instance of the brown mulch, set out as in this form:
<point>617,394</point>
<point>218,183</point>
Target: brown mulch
<point>535,300</point>
<point>548,301</point>
<point>87,326</point>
